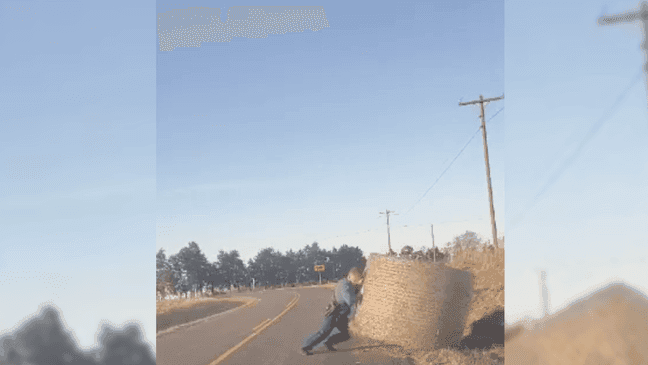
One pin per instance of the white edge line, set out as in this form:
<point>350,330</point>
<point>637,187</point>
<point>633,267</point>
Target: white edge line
<point>174,328</point>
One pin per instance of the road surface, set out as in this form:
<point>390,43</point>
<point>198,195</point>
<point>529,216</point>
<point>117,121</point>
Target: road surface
<point>217,341</point>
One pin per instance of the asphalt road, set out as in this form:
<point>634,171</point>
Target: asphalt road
<point>277,344</point>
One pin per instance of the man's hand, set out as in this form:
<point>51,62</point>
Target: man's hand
<point>330,308</point>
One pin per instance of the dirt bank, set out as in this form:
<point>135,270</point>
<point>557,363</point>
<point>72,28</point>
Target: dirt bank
<point>609,326</point>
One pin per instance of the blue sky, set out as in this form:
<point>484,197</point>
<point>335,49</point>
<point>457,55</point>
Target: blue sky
<point>306,136</point>
<point>587,226</point>
<point>78,163</point>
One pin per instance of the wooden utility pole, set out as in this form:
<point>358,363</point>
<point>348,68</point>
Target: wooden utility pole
<point>387,212</point>
<point>481,102</point>
<point>628,17</point>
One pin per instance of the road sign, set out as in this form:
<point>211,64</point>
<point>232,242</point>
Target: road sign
<point>319,268</point>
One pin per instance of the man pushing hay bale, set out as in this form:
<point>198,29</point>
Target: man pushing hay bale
<point>414,304</point>
<point>339,310</point>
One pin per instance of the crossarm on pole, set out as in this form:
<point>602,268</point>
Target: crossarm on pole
<point>620,18</point>
<point>482,100</point>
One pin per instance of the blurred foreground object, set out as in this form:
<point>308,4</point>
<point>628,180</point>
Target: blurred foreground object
<point>43,340</point>
<point>609,326</point>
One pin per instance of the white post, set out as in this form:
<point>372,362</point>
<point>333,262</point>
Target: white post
<point>320,278</point>
<point>252,283</point>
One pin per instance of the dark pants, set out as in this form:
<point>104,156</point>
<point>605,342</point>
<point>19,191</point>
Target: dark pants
<point>340,320</point>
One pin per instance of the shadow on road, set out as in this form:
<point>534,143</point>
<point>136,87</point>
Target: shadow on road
<point>356,348</point>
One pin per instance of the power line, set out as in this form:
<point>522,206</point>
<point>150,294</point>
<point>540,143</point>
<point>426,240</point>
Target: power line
<point>590,134</point>
<point>457,156</point>
<point>464,147</point>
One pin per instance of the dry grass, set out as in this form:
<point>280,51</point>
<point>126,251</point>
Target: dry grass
<point>167,306</point>
<point>455,357</point>
<point>308,284</point>
<point>328,286</point>
<point>487,269</point>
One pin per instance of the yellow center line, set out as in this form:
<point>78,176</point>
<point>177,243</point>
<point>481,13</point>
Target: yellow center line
<point>262,327</point>
<point>291,302</point>
<point>260,324</point>
<point>250,302</point>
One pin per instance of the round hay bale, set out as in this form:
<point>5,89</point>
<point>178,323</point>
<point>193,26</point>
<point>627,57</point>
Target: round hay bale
<point>414,304</point>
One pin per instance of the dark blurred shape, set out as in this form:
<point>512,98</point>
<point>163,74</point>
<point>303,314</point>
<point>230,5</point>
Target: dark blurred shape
<point>43,341</point>
<point>486,332</point>
<point>124,347</point>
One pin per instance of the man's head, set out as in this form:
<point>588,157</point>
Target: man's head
<point>355,276</point>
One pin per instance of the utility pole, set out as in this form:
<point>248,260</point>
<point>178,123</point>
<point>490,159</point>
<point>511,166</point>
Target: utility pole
<point>433,247</point>
<point>629,17</point>
<point>387,212</point>
<point>481,102</point>
<point>545,294</point>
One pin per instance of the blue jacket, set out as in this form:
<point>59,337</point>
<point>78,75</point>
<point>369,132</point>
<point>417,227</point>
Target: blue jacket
<point>345,293</point>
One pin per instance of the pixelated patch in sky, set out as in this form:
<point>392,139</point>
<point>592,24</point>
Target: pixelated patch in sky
<point>193,26</point>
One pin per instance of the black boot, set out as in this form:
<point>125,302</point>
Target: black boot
<point>329,346</point>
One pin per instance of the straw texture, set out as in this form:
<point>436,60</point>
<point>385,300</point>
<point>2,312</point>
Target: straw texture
<point>414,304</point>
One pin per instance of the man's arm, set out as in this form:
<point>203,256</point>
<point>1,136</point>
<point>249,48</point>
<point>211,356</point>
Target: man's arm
<point>349,297</point>
<point>348,294</point>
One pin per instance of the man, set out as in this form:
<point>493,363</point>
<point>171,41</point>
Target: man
<point>338,312</point>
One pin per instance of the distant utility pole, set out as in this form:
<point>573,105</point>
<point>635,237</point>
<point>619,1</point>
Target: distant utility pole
<point>481,101</point>
<point>433,247</point>
<point>629,17</point>
<point>545,294</point>
<point>387,212</point>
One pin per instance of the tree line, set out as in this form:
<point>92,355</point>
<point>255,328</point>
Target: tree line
<point>190,270</point>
